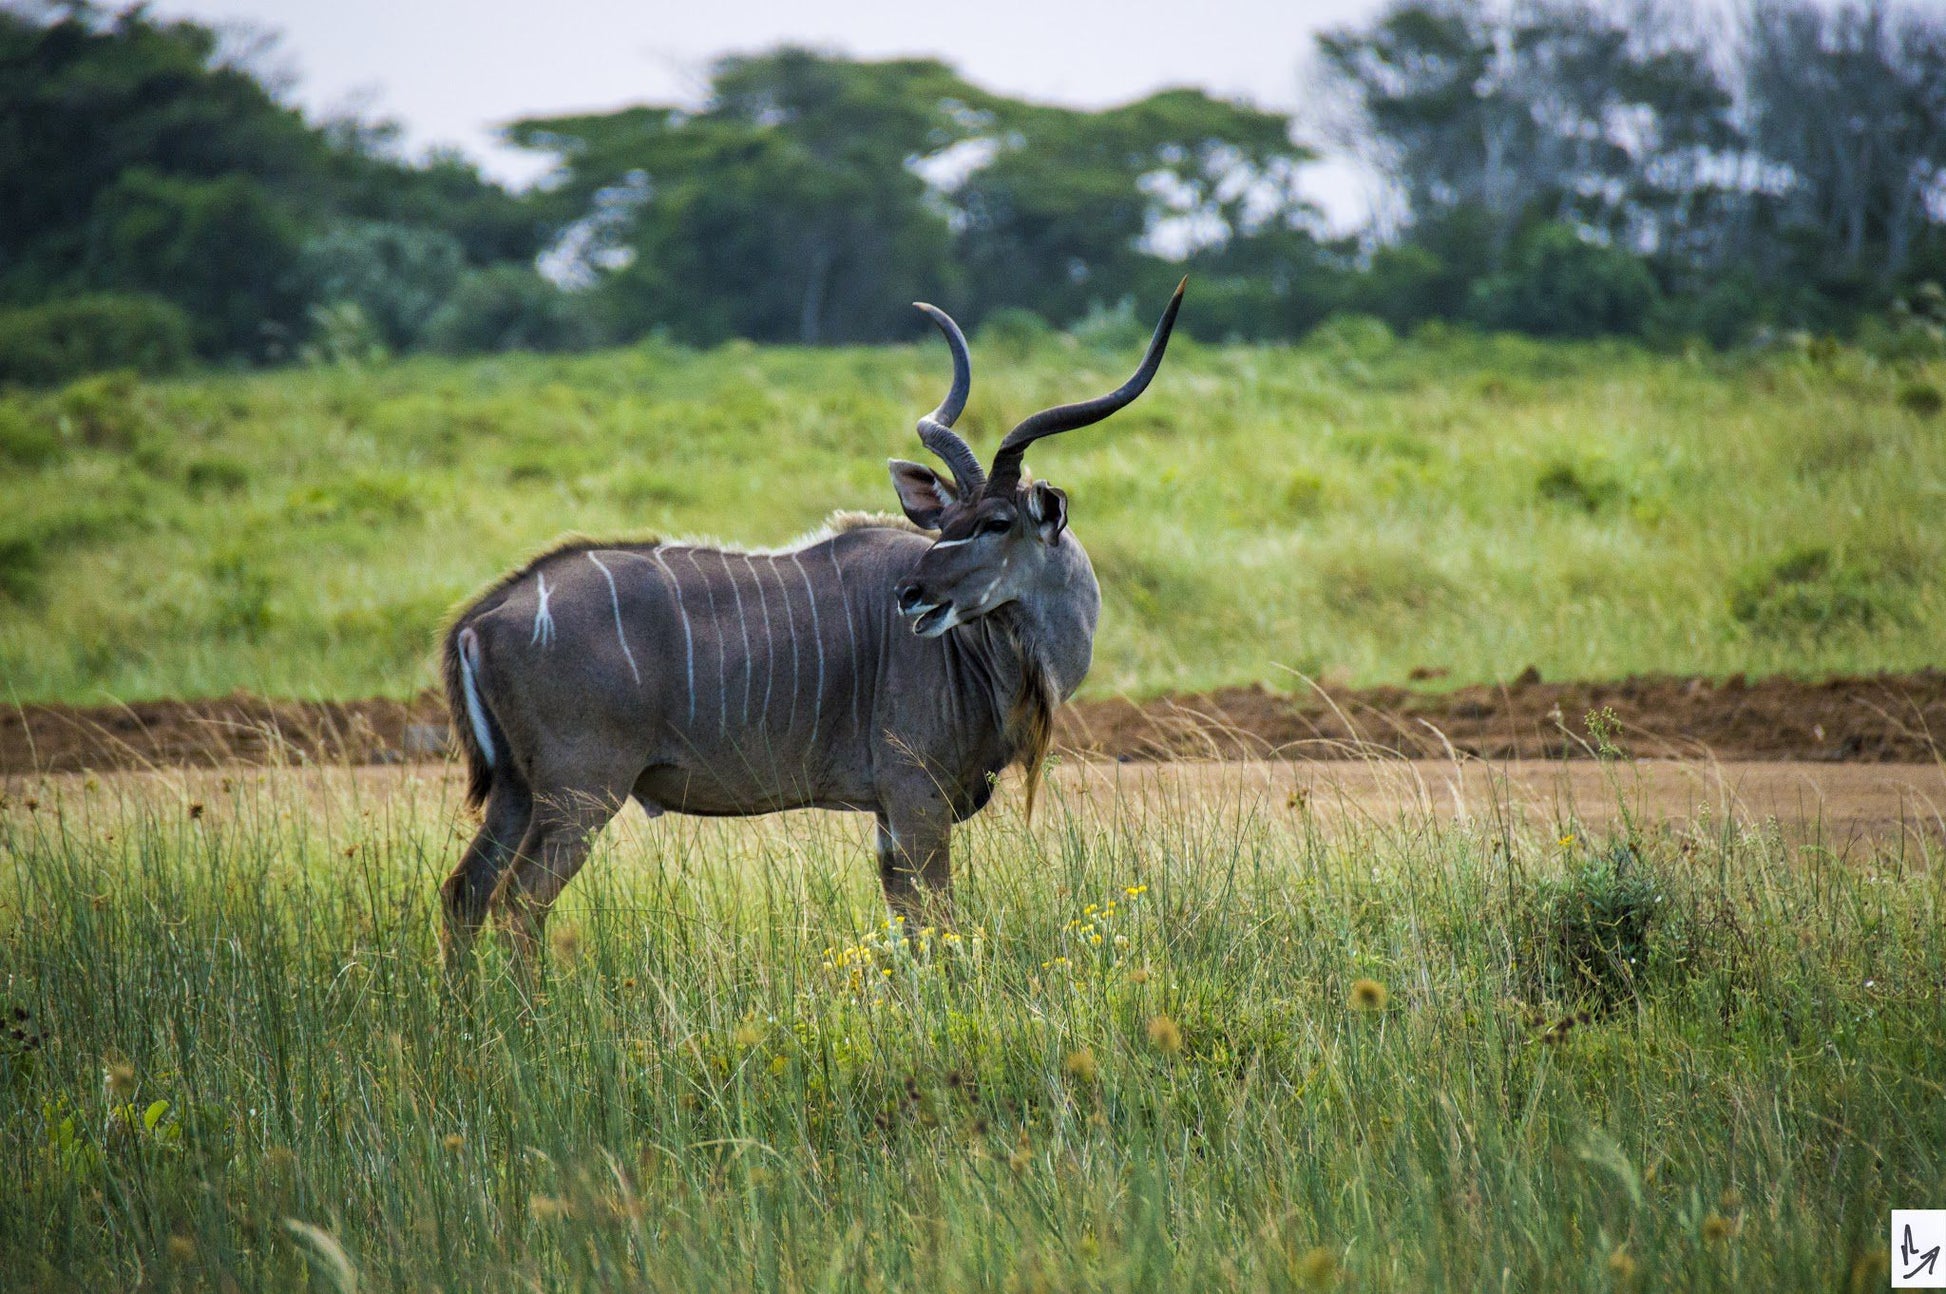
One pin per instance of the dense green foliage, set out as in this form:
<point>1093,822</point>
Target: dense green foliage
<point>1193,1040</point>
<point>64,338</point>
<point>1350,508</point>
<point>137,157</point>
<point>1559,168</point>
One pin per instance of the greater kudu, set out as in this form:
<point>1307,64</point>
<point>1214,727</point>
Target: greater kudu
<point>712,681</point>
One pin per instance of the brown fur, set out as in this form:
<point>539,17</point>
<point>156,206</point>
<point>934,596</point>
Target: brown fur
<point>479,777</point>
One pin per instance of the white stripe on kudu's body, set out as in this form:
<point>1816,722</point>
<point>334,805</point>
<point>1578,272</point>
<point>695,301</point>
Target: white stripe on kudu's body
<point>851,635</point>
<point>743,626</point>
<point>963,632</point>
<point>543,618</point>
<point>790,623</point>
<point>688,633</point>
<point>621,636</point>
<point>722,658</point>
<point>770,669</point>
<point>817,637</point>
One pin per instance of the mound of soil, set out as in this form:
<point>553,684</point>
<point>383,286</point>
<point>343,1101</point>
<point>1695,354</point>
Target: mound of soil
<point>1886,718</point>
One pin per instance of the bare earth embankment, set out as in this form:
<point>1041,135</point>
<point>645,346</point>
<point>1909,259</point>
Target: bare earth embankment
<point>1878,719</point>
<point>1847,762</point>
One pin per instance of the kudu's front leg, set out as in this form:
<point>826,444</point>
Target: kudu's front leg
<point>915,865</point>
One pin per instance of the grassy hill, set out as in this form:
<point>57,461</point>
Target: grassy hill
<point>1354,508</point>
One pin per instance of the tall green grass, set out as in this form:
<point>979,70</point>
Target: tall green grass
<point>1186,1040</point>
<point>1351,508</point>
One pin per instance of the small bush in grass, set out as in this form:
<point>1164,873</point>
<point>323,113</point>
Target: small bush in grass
<point>241,603</point>
<point>1586,489</point>
<point>103,412</point>
<point>1013,331</point>
<point>1584,936</point>
<point>1111,328</point>
<point>1560,285</point>
<point>23,562</point>
<point>216,474</point>
<point>1812,591</point>
<point>1921,398</point>
<point>27,440</point>
<point>1304,493</point>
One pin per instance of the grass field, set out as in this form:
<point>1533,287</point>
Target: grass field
<point>1181,1041</point>
<point>1352,508</point>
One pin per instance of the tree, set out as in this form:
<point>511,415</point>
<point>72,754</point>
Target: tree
<point>1848,108</point>
<point>1074,208</point>
<point>1563,110</point>
<point>786,211</point>
<point>137,156</point>
<point>814,197</point>
<point>221,249</point>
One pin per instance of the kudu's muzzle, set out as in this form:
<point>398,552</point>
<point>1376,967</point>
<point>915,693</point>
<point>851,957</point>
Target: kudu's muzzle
<point>927,615</point>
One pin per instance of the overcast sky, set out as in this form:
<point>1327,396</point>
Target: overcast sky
<point>452,70</point>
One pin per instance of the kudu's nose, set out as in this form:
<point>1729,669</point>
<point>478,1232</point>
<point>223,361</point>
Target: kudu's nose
<point>911,597</point>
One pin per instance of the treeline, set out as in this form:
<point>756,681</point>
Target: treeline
<point>159,204</point>
<point>1558,167</point>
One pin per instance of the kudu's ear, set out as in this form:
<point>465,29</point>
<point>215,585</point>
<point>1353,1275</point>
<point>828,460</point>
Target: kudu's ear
<point>1047,505</point>
<point>923,493</point>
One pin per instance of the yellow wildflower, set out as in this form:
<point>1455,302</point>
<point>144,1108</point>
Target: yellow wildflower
<point>1166,1035</point>
<point>1368,995</point>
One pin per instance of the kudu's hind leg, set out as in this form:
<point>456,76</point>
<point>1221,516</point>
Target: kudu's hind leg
<point>466,893</point>
<point>915,866</point>
<point>557,843</point>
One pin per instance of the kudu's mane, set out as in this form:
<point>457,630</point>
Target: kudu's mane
<point>572,543</point>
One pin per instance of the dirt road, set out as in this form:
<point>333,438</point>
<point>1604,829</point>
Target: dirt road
<point>1854,810</point>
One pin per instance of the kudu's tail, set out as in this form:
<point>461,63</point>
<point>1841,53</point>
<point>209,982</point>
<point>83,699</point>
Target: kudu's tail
<point>479,736</point>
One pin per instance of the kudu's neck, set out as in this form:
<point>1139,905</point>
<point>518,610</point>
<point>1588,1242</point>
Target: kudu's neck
<point>1059,621</point>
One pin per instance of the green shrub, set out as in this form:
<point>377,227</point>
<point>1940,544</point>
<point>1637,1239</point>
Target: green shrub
<point>23,563</point>
<point>103,411</point>
<point>240,602</point>
<point>1584,936</point>
<point>1921,398</point>
<point>27,440</point>
<point>1578,486</point>
<point>216,474</point>
<point>1013,331</point>
<point>510,307</point>
<point>1560,285</point>
<point>48,344</point>
<point>1111,328</point>
<point>1304,493</point>
<point>1812,591</point>
<point>397,275</point>
<point>342,333</point>
<point>1353,336</point>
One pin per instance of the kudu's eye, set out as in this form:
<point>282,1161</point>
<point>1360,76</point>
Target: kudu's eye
<point>993,526</point>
